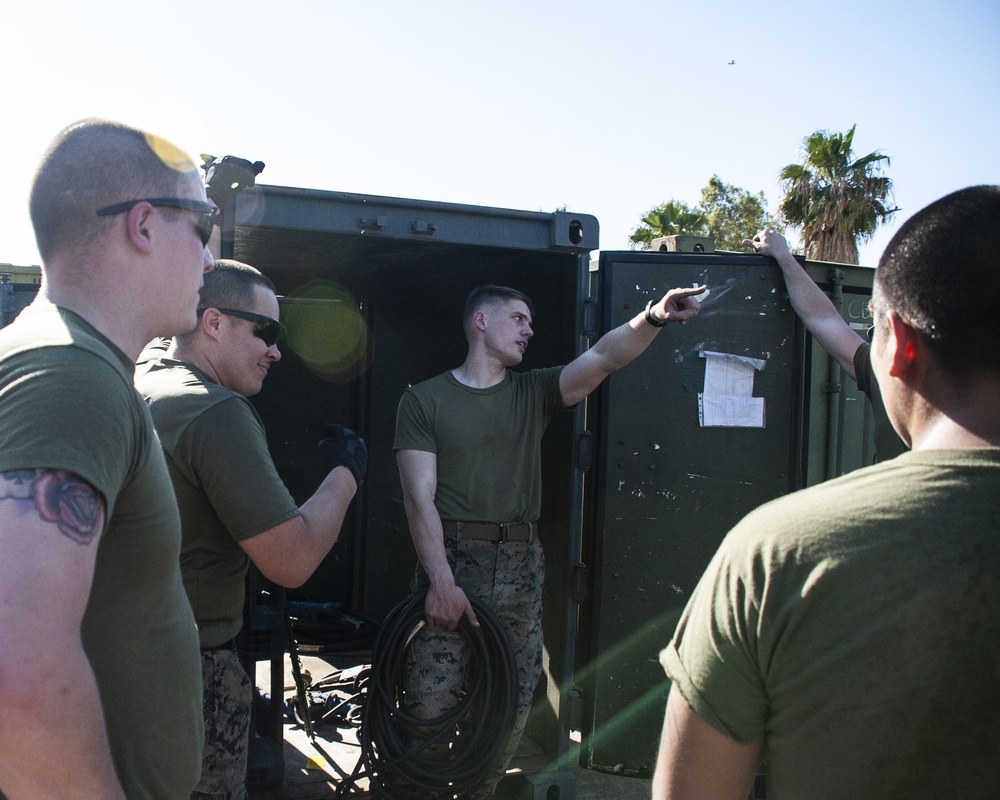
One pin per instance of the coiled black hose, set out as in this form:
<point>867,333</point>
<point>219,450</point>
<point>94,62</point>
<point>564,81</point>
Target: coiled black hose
<point>449,756</point>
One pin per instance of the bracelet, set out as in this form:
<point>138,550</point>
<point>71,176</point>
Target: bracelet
<point>656,323</point>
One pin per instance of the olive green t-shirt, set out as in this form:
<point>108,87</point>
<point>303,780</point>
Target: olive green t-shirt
<point>227,487</point>
<point>487,441</point>
<point>67,402</point>
<point>855,627</point>
<point>887,442</point>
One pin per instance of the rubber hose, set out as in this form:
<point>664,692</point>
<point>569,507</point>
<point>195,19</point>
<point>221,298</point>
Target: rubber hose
<point>450,755</point>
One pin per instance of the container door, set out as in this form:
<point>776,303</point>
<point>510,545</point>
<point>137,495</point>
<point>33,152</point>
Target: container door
<point>705,426</point>
<point>841,429</point>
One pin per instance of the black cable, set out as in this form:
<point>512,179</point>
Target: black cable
<point>451,755</point>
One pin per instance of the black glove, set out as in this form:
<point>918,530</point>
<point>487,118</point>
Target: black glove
<point>342,447</point>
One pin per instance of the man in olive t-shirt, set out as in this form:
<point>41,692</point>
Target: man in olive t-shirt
<point>468,449</point>
<point>234,507</point>
<point>850,633</point>
<point>99,688</point>
<point>835,336</point>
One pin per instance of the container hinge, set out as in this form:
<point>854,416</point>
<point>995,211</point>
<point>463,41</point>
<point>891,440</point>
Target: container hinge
<point>585,451</point>
<point>376,223</point>
<point>6,299</point>
<point>574,699</point>
<point>590,318</point>
<point>830,388</point>
<point>420,226</point>
<point>579,582</point>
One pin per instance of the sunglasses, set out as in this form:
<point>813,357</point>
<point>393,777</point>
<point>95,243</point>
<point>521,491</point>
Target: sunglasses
<point>207,220</point>
<point>266,329</point>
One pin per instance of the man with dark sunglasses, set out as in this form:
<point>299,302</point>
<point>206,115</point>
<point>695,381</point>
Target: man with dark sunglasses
<point>99,658</point>
<point>234,507</point>
<point>205,222</point>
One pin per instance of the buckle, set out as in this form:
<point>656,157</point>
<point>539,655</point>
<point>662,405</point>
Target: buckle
<point>504,532</point>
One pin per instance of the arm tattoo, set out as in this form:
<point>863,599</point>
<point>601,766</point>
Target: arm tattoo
<point>59,497</point>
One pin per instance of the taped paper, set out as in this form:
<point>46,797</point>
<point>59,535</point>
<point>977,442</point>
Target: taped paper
<point>727,400</point>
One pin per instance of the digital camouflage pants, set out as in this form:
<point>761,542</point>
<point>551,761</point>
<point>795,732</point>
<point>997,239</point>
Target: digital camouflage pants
<point>227,697</point>
<point>508,578</point>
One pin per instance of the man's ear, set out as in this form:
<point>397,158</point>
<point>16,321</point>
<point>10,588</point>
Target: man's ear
<point>907,350</point>
<point>479,320</point>
<point>138,221</point>
<point>211,322</point>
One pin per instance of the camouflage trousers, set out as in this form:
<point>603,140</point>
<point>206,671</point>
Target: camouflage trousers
<point>508,578</point>
<point>227,697</point>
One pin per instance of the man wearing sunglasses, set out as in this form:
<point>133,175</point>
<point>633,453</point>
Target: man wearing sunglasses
<point>204,223</point>
<point>99,663</point>
<point>234,507</point>
<point>835,336</point>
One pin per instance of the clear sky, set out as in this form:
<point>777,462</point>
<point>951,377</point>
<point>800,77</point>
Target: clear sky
<point>606,107</point>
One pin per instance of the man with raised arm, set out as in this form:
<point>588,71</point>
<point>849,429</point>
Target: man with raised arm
<point>849,633</point>
<point>835,336</point>
<point>468,446</point>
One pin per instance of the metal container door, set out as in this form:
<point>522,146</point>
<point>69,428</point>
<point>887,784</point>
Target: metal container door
<point>703,427</point>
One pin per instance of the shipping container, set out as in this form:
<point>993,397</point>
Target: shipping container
<point>639,486</point>
<point>640,482</point>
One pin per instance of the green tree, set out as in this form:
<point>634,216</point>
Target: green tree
<point>734,214</point>
<point>669,219</point>
<point>836,199</point>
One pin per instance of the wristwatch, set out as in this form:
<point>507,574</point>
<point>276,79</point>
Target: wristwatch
<point>656,323</point>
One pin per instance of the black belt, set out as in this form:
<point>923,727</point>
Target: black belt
<point>491,531</point>
<point>230,645</point>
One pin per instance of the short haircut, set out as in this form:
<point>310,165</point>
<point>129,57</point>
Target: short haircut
<point>941,272</point>
<point>95,163</point>
<point>491,295</point>
<point>231,284</point>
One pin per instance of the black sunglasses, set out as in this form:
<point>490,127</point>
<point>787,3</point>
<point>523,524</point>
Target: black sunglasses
<point>266,329</point>
<point>207,220</point>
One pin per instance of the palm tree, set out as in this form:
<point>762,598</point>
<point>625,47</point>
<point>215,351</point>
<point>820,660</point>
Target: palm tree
<point>668,219</point>
<point>836,199</point>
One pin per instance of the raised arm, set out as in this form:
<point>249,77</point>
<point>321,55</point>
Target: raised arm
<point>622,345</point>
<point>289,553</point>
<point>697,762</point>
<point>814,308</point>
<point>50,526</point>
<point>446,602</point>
